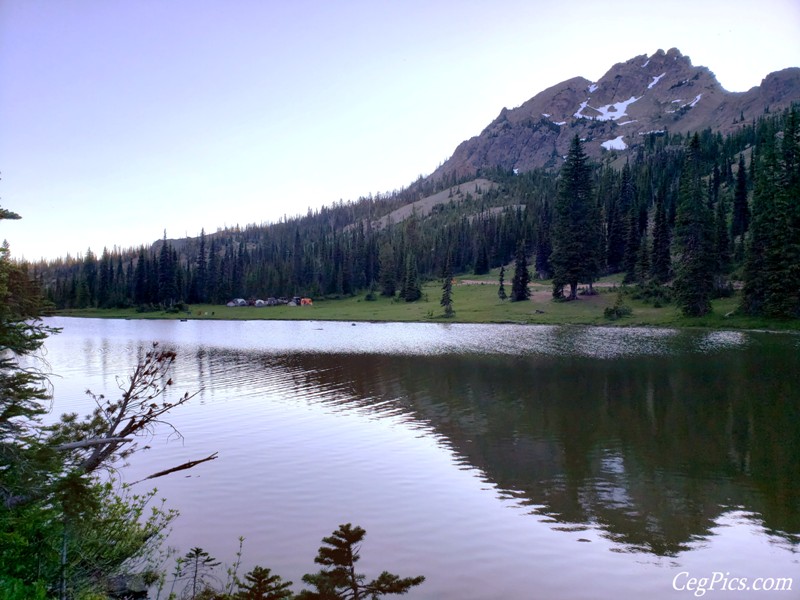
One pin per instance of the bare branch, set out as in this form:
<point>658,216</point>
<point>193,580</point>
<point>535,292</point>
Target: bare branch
<point>182,467</point>
<point>94,442</point>
<point>111,432</point>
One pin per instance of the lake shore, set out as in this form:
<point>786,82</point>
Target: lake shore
<point>475,300</point>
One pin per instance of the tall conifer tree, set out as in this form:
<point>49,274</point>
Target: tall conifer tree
<point>200,280</point>
<point>633,242</point>
<point>140,279</point>
<point>693,239</point>
<point>501,290</point>
<point>519,283</point>
<point>617,222</point>
<point>481,256</point>
<point>576,226</point>
<point>447,289</point>
<point>771,272</point>
<point>412,290</point>
<point>741,211</point>
<point>722,246</point>
<point>387,269</point>
<point>544,246</point>
<point>660,265</point>
<point>167,288</point>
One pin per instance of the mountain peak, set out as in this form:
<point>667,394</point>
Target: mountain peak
<point>641,96</point>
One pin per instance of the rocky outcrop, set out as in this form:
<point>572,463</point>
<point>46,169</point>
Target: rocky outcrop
<point>633,99</point>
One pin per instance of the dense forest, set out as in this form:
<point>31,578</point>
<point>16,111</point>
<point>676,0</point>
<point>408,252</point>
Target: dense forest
<point>702,212</point>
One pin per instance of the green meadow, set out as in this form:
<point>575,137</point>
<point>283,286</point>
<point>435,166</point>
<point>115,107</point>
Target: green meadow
<point>475,300</point>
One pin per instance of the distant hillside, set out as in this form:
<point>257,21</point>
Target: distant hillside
<point>423,207</point>
<point>644,95</point>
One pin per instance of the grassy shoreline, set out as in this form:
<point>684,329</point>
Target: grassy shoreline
<point>474,301</point>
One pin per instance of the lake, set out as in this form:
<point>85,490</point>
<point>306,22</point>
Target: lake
<point>499,461</point>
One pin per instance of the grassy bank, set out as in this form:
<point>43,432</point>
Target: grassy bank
<point>475,301</point>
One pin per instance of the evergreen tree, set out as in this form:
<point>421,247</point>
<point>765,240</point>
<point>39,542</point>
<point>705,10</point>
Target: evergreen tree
<point>790,163</point>
<point>105,279</point>
<point>180,277</point>
<point>200,279</point>
<point>297,260</point>
<point>576,226</point>
<point>447,290</point>
<point>261,584</point>
<point>633,242</point>
<point>501,290</point>
<point>387,279</point>
<point>338,578</point>
<point>197,566</point>
<point>238,266</point>
<point>412,289</point>
<point>642,270</point>
<point>771,270</point>
<point>89,280</point>
<point>660,264</point>
<point>740,222</point>
<point>481,257</point>
<point>714,185</point>
<point>722,246</point>
<point>693,239</point>
<point>617,222</point>
<point>214,273</point>
<point>544,247</point>
<point>763,282</point>
<point>522,277</point>
<point>167,288</point>
<point>140,279</point>
<point>23,390</point>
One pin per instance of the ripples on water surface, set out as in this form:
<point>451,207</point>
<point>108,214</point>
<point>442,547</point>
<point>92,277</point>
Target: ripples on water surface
<point>499,461</point>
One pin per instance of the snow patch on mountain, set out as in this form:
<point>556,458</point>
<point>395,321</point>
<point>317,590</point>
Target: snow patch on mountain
<point>578,114</point>
<point>592,88</point>
<point>609,112</point>
<point>655,81</point>
<point>612,112</point>
<point>691,104</point>
<point>616,144</point>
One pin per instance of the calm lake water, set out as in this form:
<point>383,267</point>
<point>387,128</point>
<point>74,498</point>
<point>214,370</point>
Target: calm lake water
<point>499,461</point>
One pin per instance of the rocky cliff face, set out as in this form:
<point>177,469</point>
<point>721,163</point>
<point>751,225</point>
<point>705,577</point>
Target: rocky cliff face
<point>633,99</point>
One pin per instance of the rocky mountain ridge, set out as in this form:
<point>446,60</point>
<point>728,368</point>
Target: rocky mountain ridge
<point>642,96</point>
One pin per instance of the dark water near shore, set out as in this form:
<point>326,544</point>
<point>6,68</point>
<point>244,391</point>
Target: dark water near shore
<point>498,461</point>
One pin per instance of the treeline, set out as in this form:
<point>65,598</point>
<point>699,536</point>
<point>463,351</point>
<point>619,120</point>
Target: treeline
<point>335,251</point>
<point>739,190</point>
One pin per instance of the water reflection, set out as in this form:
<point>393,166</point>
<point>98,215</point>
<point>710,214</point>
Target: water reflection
<point>665,447</point>
<point>653,450</point>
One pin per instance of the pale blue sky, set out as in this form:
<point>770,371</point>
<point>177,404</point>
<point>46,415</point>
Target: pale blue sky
<point>120,119</point>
